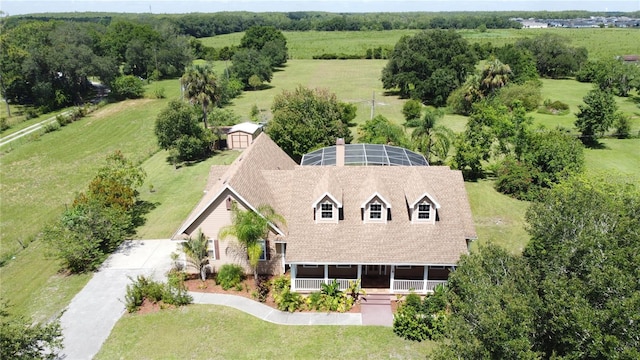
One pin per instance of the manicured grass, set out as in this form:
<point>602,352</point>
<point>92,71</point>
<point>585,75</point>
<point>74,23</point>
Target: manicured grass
<point>498,218</point>
<point>616,156</point>
<point>569,92</point>
<point>217,332</point>
<point>175,192</point>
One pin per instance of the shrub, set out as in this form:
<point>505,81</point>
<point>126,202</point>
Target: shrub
<point>30,114</point>
<point>528,94</point>
<point>281,284</point>
<point>515,178</point>
<point>288,301</point>
<point>51,127</point>
<point>419,320</point>
<point>172,293</point>
<point>263,289</point>
<point>159,93</point>
<point>314,301</point>
<point>412,110</point>
<point>4,124</point>
<point>230,275</point>
<point>622,126</point>
<point>127,87</point>
<point>63,120</point>
<point>554,108</point>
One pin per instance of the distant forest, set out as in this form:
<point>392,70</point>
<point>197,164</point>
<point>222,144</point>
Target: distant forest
<point>211,24</point>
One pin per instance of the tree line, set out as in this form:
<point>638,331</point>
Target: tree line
<point>49,63</point>
<point>211,24</point>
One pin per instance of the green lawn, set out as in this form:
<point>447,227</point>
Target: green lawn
<point>616,156</point>
<point>217,332</point>
<point>40,176</point>
<point>353,81</point>
<point>175,192</point>
<point>498,218</point>
<point>601,43</point>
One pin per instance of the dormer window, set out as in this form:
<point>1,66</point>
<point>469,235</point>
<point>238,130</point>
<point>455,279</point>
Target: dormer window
<point>327,211</point>
<point>424,211</point>
<point>375,211</point>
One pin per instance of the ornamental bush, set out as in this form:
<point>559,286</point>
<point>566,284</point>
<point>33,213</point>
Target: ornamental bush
<point>419,320</point>
<point>230,276</point>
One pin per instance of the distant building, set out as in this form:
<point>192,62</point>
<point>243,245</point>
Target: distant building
<point>532,24</point>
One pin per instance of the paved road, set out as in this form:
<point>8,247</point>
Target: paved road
<point>89,318</point>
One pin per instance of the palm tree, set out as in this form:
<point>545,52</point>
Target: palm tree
<point>432,139</point>
<point>249,227</point>
<point>494,76</point>
<point>201,87</point>
<point>196,252</point>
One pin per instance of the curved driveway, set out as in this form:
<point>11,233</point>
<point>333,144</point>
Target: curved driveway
<point>89,318</point>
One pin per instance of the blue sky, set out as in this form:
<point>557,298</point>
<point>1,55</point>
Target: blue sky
<point>16,7</point>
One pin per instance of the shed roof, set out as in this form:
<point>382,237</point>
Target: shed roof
<point>247,127</point>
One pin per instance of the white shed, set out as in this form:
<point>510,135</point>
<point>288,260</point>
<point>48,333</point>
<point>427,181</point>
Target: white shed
<point>240,136</point>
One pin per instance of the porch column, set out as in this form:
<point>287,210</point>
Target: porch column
<point>294,270</point>
<point>360,274</point>
<point>326,274</point>
<point>425,278</point>
<point>393,275</point>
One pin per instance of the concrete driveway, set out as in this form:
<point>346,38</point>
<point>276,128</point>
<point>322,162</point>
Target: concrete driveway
<point>89,318</point>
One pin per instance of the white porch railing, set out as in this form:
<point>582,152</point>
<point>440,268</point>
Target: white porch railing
<point>308,284</point>
<point>415,285</point>
<point>315,284</point>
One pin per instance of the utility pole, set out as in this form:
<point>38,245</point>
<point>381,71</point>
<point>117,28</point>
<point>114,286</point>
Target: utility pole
<point>373,104</point>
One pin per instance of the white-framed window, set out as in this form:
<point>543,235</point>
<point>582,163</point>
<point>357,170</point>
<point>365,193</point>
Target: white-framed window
<point>424,211</point>
<point>263,247</point>
<point>309,266</point>
<point>403,267</point>
<point>326,210</point>
<point>343,266</point>
<point>211,249</point>
<point>375,211</point>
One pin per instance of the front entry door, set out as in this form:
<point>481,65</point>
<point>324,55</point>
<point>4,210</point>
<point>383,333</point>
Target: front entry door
<point>376,270</point>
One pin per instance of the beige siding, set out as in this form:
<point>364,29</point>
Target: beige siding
<point>215,218</point>
<point>239,140</point>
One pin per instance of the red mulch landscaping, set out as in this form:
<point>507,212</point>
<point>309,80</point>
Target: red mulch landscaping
<point>248,287</point>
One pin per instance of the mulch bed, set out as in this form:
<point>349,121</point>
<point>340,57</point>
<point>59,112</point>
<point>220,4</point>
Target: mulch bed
<point>248,287</point>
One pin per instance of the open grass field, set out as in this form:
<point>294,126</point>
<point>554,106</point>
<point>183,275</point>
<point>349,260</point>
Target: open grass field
<point>40,176</point>
<point>353,81</point>
<point>601,43</point>
<point>216,332</point>
<point>175,192</point>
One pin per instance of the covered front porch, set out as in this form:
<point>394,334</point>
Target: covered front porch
<point>394,279</point>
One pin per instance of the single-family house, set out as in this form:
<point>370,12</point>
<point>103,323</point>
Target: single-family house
<point>240,136</point>
<point>376,213</point>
